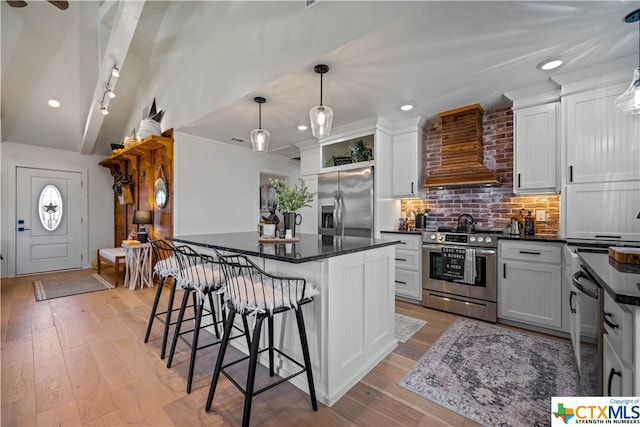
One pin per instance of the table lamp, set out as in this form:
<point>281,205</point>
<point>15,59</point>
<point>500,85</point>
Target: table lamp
<point>142,218</point>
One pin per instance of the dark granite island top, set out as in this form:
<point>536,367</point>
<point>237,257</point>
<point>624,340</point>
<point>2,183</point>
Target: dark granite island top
<point>310,247</point>
<point>620,281</point>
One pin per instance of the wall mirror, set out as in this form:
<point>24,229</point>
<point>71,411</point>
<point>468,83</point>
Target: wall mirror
<point>160,193</point>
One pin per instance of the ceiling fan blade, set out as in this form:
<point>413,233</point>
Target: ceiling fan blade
<point>17,3</point>
<point>60,4</point>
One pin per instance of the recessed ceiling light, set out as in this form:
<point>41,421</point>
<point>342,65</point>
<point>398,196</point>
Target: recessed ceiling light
<point>302,127</point>
<point>54,103</point>
<point>406,107</point>
<point>550,64</point>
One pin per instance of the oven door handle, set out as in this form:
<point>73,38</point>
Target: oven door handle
<point>479,251</point>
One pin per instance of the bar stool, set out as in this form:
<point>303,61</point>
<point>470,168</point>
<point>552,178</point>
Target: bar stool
<point>250,291</point>
<point>166,267</point>
<point>200,277</point>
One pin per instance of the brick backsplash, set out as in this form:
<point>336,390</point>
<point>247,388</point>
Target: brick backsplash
<point>492,207</point>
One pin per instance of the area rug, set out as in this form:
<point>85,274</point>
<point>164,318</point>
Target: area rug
<point>406,326</point>
<point>494,375</point>
<point>56,288</point>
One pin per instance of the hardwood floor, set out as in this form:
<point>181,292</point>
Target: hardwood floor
<point>81,360</point>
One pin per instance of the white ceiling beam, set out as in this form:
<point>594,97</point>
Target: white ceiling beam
<point>124,27</point>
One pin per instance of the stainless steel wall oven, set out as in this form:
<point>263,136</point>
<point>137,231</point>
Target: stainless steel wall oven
<point>473,298</point>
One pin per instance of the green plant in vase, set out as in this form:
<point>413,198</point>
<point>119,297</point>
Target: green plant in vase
<point>289,200</point>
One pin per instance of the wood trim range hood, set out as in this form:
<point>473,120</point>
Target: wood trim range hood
<point>461,152</point>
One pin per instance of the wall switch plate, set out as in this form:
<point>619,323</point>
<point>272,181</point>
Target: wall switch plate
<point>541,215</point>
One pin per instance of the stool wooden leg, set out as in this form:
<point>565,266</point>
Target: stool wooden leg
<point>176,333</point>
<point>154,308</point>
<point>228,326</point>
<point>305,354</point>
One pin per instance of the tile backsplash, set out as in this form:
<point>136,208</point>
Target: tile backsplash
<point>492,207</point>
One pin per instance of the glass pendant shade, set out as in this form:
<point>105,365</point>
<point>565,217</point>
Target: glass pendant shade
<point>260,139</point>
<point>629,101</point>
<point>321,117</point>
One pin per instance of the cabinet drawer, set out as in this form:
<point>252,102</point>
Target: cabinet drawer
<point>531,251</point>
<point>618,324</point>
<point>409,242</point>
<point>617,375</point>
<point>408,259</point>
<point>408,283</point>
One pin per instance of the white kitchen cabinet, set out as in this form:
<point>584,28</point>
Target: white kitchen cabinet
<point>408,259</point>
<point>529,283</point>
<point>618,367</point>
<point>601,145</point>
<point>535,149</point>
<point>407,152</point>
<point>603,210</point>
<point>617,373</point>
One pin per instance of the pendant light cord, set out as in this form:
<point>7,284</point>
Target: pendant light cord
<point>259,116</point>
<point>321,89</point>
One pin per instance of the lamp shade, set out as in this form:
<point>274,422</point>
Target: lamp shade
<point>629,101</point>
<point>142,217</point>
<point>321,117</point>
<point>260,139</point>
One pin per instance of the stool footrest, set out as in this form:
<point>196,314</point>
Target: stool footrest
<point>265,388</point>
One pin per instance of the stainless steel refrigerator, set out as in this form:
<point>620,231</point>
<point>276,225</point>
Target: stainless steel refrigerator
<point>345,203</point>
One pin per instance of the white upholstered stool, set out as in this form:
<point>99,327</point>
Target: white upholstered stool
<point>114,256</point>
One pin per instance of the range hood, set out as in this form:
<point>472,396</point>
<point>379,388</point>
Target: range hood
<point>461,153</point>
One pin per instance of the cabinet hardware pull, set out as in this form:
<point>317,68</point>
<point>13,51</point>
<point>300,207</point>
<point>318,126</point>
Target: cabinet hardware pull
<point>504,270</point>
<point>401,282</point>
<point>609,322</point>
<point>571,295</point>
<point>612,372</point>
<point>402,242</point>
<point>605,236</point>
<point>411,187</point>
<point>570,173</point>
<point>518,180</point>
<point>401,259</point>
<point>531,252</point>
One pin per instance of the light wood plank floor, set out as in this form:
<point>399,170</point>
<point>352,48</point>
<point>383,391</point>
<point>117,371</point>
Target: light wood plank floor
<point>80,360</point>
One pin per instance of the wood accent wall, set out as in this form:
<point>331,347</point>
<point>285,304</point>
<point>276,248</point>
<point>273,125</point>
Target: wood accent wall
<point>141,163</point>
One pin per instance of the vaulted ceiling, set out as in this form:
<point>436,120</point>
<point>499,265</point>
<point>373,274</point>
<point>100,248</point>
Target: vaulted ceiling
<point>205,61</point>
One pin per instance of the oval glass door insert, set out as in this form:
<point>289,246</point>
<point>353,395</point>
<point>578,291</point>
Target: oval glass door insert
<point>51,207</point>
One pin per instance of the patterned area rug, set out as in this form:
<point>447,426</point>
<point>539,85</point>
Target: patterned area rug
<point>494,375</point>
<point>406,326</point>
<point>56,288</point>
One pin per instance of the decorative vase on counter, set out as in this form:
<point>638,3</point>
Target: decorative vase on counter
<point>291,219</point>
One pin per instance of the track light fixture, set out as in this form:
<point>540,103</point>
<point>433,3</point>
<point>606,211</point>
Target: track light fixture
<point>109,93</point>
<point>260,137</point>
<point>321,116</point>
<point>629,101</point>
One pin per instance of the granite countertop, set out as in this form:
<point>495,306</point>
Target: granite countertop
<point>310,247</point>
<point>416,231</point>
<point>533,238</point>
<point>620,281</point>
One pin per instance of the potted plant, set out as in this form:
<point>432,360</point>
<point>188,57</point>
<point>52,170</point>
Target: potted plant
<point>289,200</point>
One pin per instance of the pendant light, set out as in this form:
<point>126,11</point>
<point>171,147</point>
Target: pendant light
<point>321,116</point>
<point>260,137</point>
<point>629,101</point>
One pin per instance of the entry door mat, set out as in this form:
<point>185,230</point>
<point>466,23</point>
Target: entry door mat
<point>494,375</point>
<point>406,326</point>
<point>62,287</point>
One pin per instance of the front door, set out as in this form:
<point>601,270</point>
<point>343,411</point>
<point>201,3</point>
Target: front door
<point>48,220</point>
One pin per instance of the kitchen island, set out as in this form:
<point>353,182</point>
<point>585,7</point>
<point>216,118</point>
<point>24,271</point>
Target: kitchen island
<point>350,324</point>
